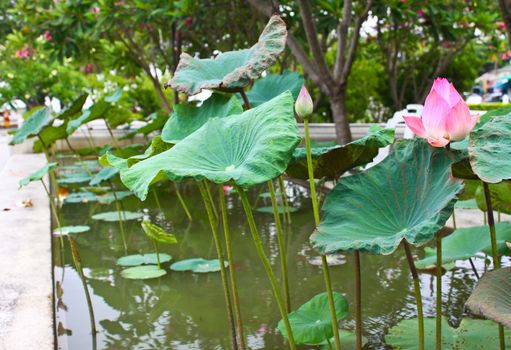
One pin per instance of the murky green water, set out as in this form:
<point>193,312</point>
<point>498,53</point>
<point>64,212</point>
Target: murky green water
<point>183,310</point>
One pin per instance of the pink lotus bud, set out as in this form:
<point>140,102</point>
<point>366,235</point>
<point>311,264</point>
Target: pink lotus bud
<point>303,104</point>
<point>88,68</point>
<point>95,9</point>
<point>47,36</point>
<point>446,117</point>
<point>227,190</point>
<point>420,12</point>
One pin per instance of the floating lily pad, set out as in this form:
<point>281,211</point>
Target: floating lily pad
<point>348,341</point>
<point>157,234</point>
<point>104,174</point>
<point>187,118</point>
<point>470,335</point>
<point>429,261</point>
<point>331,259</point>
<point>492,296</point>
<point>37,175</point>
<point>311,322</point>
<point>66,230</point>
<point>143,272</point>
<point>331,162</point>
<point>109,198</point>
<point>33,125</point>
<point>250,148</point>
<point>81,197</point>
<point>272,85</point>
<point>464,243</point>
<point>233,69</point>
<point>280,209</point>
<point>198,265</point>
<point>409,195</point>
<point>74,179</point>
<point>114,216</point>
<point>142,259</point>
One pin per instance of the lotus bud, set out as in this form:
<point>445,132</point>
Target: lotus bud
<point>446,117</point>
<point>304,105</point>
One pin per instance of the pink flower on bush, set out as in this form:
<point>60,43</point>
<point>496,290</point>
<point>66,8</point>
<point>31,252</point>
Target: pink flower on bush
<point>47,36</point>
<point>88,68</point>
<point>446,117</point>
<point>24,53</point>
<point>420,12</point>
<point>95,9</point>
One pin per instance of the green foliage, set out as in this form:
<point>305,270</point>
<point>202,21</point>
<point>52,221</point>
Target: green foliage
<point>143,272</point>
<point>197,265</point>
<point>115,216</point>
<point>142,259</point>
<point>272,85</point>
<point>33,125</point>
<point>37,175</point>
<point>157,234</point>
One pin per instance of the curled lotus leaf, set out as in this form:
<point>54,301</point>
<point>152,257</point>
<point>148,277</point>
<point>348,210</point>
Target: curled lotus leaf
<point>38,174</point>
<point>158,234</point>
<point>234,69</point>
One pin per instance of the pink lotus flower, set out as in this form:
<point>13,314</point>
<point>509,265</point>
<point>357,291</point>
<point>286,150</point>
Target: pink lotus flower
<point>227,190</point>
<point>47,36</point>
<point>420,12</point>
<point>303,104</point>
<point>446,117</point>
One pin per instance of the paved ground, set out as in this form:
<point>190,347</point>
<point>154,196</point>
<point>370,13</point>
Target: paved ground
<point>26,313</point>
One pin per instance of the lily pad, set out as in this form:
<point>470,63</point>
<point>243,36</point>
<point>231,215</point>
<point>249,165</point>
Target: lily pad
<point>81,197</point>
<point>187,118</point>
<point>38,174</point>
<point>272,85</point>
<point>348,341</point>
<point>143,272</point>
<point>104,174</point>
<point>66,230</point>
<point>109,198</point>
<point>142,259</point>
<point>332,162</point>
<point>250,148</point>
<point>33,125</point>
<point>157,234</point>
<point>233,69</point>
<point>280,209</point>
<point>492,296</point>
<point>74,179</point>
<point>114,216</point>
<point>198,265</point>
<point>331,259</point>
<point>311,323</point>
<point>409,195</point>
<point>470,335</point>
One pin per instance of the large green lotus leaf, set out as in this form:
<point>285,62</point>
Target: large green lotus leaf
<point>198,265</point>
<point>74,108</point>
<point>332,162</point>
<point>104,174</point>
<point>114,216</point>
<point>489,148</point>
<point>158,234</point>
<point>33,125</point>
<point>250,148</point>
<point>143,272</point>
<point>492,296</point>
<point>311,322</point>
<point>66,230</point>
<point>142,259</point>
<point>273,85</point>
<point>188,117</point>
<point>38,174</point>
<point>233,69</point>
<point>466,242</point>
<point>470,335</point>
<point>500,195</point>
<point>409,195</point>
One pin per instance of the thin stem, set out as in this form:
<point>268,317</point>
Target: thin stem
<point>119,215</point>
<point>214,229</point>
<point>358,301</point>
<point>438,337</point>
<point>157,251</point>
<point>282,248</point>
<point>54,212</point>
<point>156,199</point>
<point>453,220</point>
<point>53,180</point>
<point>267,266</point>
<point>232,272</point>
<point>114,140</point>
<point>213,206</point>
<point>246,102</point>
<point>324,264</point>
<point>493,238</point>
<point>418,297</point>
<point>473,267</point>
<point>80,160</point>
<point>283,195</point>
<point>182,202</point>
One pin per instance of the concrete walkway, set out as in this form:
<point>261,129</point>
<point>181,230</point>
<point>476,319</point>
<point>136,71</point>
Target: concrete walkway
<point>26,312</point>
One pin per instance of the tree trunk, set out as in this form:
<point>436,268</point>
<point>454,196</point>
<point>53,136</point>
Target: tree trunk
<point>340,117</point>
<point>505,8</point>
<point>161,94</point>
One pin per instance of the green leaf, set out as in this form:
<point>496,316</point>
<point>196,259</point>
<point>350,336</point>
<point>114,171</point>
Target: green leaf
<point>38,174</point>
<point>66,230</point>
<point>233,69</point>
<point>311,323</point>
<point>332,162</point>
<point>154,124</point>
<point>470,335</point>
<point>464,243</point>
<point>409,195</point>
<point>489,148</point>
<point>280,209</point>
<point>348,341</point>
<point>466,204</point>
<point>198,265</point>
<point>273,85</point>
<point>81,197</point>
<point>33,125</point>
<point>74,108</point>
<point>114,216</point>
<point>250,148</point>
<point>143,272</point>
<point>500,195</point>
<point>157,234</point>
<point>268,194</point>
<point>142,259</point>
<point>187,118</point>
<point>74,179</point>
<point>104,174</point>
<point>109,198</point>
<point>492,296</point>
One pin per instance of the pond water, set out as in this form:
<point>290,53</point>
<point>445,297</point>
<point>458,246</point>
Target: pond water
<point>183,310</point>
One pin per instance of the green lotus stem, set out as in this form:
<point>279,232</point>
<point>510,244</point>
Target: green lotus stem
<point>80,160</point>
<point>157,200</point>
<point>282,248</point>
<point>182,202</point>
<point>232,272</point>
<point>206,186</point>
<point>473,267</point>
<point>157,251</point>
<point>54,212</point>
<point>418,296</point>
<point>246,102</point>
<point>324,263</point>
<point>114,140</point>
<point>495,255</point>
<point>358,301</point>
<point>121,225</point>
<point>438,337</point>
<point>287,214</point>
<point>267,266</point>
<point>453,220</point>
<point>214,229</point>
<point>53,180</point>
